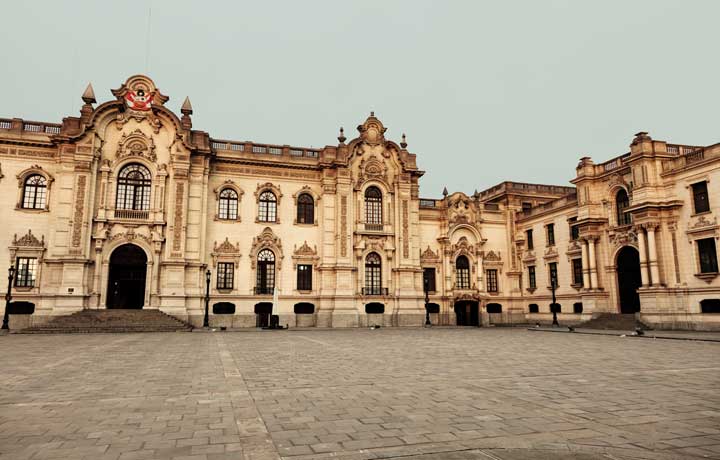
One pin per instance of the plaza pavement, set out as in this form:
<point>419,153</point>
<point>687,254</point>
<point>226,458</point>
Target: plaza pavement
<point>438,394</point>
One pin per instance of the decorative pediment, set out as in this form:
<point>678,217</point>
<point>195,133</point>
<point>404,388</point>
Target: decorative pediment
<point>573,248</point>
<point>305,250</point>
<point>29,240</point>
<point>270,187</point>
<point>372,132</point>
<point>625,238</point>
<point>267,240</point>
<point>136,144</point>
<point>307,190</point>
<point>703,228</point>
<point>464,246</point>
<point>428,255</point>
<point>372,168</point>
<point>130,235</point>
<point>550,253</point>
<point>461,210</point>
<point>703,222</point>
<point>226,247</point>
<point>492,256</point>
<point>529,257</point>
<point>229,183</point>
<point>34,169</point>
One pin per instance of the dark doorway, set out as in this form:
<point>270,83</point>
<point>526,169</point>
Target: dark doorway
<point>126,280</point>
<point>628,273</point>
<point>466,313</point>
<point>263,310</point>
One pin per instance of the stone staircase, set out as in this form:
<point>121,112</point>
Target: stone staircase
<point>94,321</point>
<point>614,321</point>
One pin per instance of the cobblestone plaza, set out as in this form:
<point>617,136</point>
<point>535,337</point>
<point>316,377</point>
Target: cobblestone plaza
<point>358,394</point>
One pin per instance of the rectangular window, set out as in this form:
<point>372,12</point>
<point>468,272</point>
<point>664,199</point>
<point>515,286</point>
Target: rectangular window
<point>577,272</point>
<point>225,275</point>
<point>304,277</point>
<point>552,266</point>
<point>708,255</point>
<point>574,230</point>
<point>530,243</point>
<point>492,280</point>
<point>526,207</point>
<point>26,272</point>
<point>531,277</point>
<point>429,279</point>
<point>700,197</point>
<point>550,234</point>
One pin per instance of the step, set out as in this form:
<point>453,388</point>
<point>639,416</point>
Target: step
<point>90,321</point>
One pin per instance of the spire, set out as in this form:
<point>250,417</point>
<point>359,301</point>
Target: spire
<point>186,110</point>
<point>445,192</point>
<point>89,95</point>
<point>342,137</point>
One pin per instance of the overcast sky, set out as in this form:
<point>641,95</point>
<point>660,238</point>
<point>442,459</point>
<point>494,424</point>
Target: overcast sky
<point>486,91</point>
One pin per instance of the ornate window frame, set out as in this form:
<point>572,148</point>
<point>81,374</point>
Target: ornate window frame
<point>217,190</point>
<point>265,240</point>
<point>22,176</point>
<point>316,198</point>
<point>305,255</point>
<point>28,246</point>
<point>268,186</point>
<point>228,253</point>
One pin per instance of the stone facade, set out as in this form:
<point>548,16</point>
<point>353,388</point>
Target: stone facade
<point>128,206</point>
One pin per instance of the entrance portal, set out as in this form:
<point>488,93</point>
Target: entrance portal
<point>628,276</point>
<point>466,313</point>
<point>126,280</point>
<point>263,310</point>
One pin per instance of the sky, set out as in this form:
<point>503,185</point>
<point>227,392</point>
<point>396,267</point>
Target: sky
<point>486,91</point>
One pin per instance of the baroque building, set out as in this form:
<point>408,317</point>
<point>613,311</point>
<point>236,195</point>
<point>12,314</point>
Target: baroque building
<point>128,206</point>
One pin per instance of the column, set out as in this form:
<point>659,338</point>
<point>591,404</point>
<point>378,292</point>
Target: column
<point>585,266</point>
<point>643,258</point>
<point>653,257</point>
<point>593,264</point>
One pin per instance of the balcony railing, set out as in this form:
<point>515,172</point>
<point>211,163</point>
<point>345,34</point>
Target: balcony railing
<point>134,214</point>
<point>263,290</point>
<point>374,291</point>
<point>374,227</point>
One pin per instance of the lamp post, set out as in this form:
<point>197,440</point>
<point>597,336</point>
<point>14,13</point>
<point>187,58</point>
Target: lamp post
<point>553,305</point>
<point>427,301</point>
<point>8,298</point>
<point>206,320</point>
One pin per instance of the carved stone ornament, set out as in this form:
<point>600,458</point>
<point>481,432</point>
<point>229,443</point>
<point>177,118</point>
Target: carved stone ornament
<point>461,210</point>
<point>550,253</point>
<point>491,256</point>
<point>136,144</point>
<point>463,246</point>
<point>428,255</point>
<point>372,168</point>
<point>139,95</point>
<point>29,240</point>
<point>130,235</point>
<point>372,132</point>
<point>305,250</point>
<point>267,240</point>
<point>703,222</point>
<point>225,251</point>
<point>626,238</point>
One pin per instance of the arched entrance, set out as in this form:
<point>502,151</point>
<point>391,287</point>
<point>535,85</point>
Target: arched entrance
<point>467,313</point>
<point>126,279</point>
<point>628,276</point>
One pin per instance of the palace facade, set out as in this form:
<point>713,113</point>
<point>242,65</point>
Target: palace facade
<point>128,206</point>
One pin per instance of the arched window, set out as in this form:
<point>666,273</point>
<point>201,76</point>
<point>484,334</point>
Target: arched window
<point>228,206</point>
<point>462,272</point>
<point>265,272</point>
<point>621,203</point>
<point>373,206</point>
<point>34,192</point>
<point>133,189</point>
<point>373,274</point>
<point>305,209</point>
<point>268,207</point>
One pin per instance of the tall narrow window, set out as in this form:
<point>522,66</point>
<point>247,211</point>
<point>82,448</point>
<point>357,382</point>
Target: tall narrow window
<point>265,283</point>
<point>526,207</point>
<point>700,197</point>
<point>225,275</point>
<point>552,266</point>
<point>550,234</point>
<point>429,279</point>
<point>574,229</point>
<point>532,282</point>
<point>373,207</point>
<point>133,189</point>
<point>577,272</point>
<point>530,242</point>
<point>305,209</point>
<point>228,207</point>
<point>622,202</point>
<point>708,255</point>
<point>304,277</point>
<point>373,274</point>
<point>268,207</point>
<point>492,280</point>
<point>462,272</point>
<point>34,192</point>
<point>26,271</point>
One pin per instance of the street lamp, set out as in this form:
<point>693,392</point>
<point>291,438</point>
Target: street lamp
<point>8,298</point>
<point>553,305</point>
<point>206,320</point>
<point>426,286</point>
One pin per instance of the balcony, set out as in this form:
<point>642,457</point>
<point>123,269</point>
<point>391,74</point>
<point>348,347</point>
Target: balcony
<point>373,227</point>
<point>263,290</point>
<point>132,214</point>
<point>369,291</point>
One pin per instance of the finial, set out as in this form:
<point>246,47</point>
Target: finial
<point>445,192</point>
<point>88,96</point>
<point>476,193</point>
<point>186,108</point>
<point>372,113</point>
<point>403,144</point>
<point>342,137</point>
